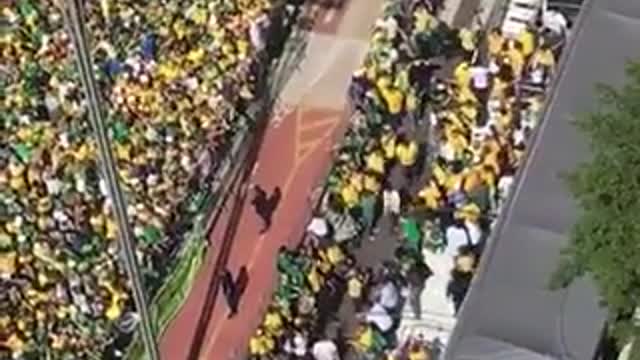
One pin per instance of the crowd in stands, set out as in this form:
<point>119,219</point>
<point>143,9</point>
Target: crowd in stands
<point>442,120</point>
<point>172,75</point>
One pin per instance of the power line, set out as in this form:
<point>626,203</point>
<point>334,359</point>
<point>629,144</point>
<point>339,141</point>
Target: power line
<point>74,18</point>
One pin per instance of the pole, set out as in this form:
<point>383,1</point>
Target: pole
<point>74,18</point>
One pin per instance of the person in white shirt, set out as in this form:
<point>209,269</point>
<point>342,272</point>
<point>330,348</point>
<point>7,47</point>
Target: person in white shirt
<point>388,296</point>
<point>296,345</point>
<point>480,77</point>
<point>325,350</point>
<point>480,83</point>
<point>319,229</point>
<point>556,22</point>
<point>379,317</point>
<point>256,31</point>
<point>391,204</point>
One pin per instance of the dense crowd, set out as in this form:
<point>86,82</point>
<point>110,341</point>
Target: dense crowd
<point>442,119</point>
<point>172,75</point>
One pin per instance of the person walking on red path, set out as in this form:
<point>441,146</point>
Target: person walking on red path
<point>265,205</point>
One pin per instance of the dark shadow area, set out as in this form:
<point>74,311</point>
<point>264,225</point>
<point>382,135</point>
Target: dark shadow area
<point>265,206</point>
<point>242,282</point>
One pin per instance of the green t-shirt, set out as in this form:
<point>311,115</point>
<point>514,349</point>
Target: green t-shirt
<point>412,234</point>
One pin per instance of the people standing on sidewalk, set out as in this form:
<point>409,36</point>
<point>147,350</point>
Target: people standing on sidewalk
<point>470,150</point>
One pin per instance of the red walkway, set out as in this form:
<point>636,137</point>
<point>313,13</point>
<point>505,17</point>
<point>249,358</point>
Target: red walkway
<point>295,154</point>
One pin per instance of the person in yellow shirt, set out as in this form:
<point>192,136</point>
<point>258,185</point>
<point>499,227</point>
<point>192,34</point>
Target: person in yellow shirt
<point>467,42</point>
<point>406,153</point>
<point>516,58</point>
<point>394,99</point>
<point>543,59</point>
<point>376,162</point>
<point>350,195</point>
<point>273,322</point>
<point>528,40</point>
<point>469,212</point>
<point>495,42</point>
<point>462,74</point>
<point>356,179</point>
<point>372,183</point>
<point>418,351</point>
<point>388,142</point>
<point>431,196</point>
<point>314,279</point>
<point>261,344</point>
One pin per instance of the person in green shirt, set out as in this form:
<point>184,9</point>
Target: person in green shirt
<point>411,234</point>
<point>368,208</point>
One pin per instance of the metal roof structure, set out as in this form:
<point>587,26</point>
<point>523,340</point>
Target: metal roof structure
<point>510,312</point>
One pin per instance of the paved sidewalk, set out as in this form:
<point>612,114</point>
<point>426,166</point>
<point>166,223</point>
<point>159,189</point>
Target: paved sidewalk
<point>293,155</point>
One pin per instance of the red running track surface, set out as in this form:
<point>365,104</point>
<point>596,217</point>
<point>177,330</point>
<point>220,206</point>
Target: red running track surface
<point>294,155</point>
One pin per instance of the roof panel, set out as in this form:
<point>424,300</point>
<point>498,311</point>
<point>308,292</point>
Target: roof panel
<point>509,300</point>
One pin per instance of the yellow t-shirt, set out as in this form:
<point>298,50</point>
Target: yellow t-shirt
<point>516,57</point>
<point>389,145</point>
<point>488,176</point>
<point>350,195</point>
<point>394,99</point>
<point>462,74</point>
<point>376,163</point>
<point>315,280</point>
<point>357,181</point>
<point>470,212</point>
<point>8,263</point>
<point>419,355</point>
<point>364,341</point>
<point>498,88</point>
<point>470,113</point>
<point>431,196</point>
<point>439,174</point>
<point>544,58</point>
<point>354,288</point>
<point>467,39</point>
<point>528,41</point>
<point>407,154</point>
<point>495,43</point>
<point>273,323</point>
<point>261,345</point>
<point>452,183</point>
<point>472,180</point>
<point>371,184</point>
<point>335,255</point>
<point>196,56</point>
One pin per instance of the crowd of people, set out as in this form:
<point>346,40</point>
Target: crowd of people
<point>442,120</point>
<point>173,75</point>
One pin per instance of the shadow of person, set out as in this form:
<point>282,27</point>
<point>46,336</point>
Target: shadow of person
<point>274,200</point>
<point>234,289</point>
<point>242,282</point>
<point>265,205</point>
